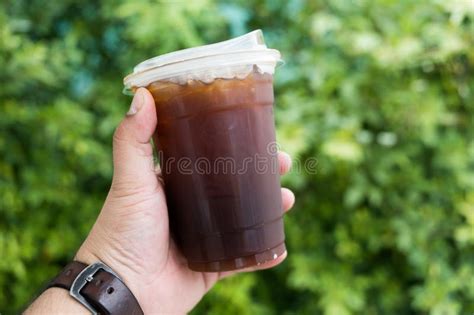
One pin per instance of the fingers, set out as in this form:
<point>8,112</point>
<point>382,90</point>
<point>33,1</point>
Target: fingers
<point>284,161</point>
<point>132,150</point>
<point>287,196</point>
<point>287,199</point>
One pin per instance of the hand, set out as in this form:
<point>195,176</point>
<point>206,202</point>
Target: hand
<point>131,234</point>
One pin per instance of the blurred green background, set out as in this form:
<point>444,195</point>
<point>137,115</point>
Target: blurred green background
<point>381,93</point>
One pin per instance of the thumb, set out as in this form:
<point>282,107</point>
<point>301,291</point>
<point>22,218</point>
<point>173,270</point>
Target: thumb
<point>132,150</point>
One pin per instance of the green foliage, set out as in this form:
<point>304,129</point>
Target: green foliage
<point>380,92</point>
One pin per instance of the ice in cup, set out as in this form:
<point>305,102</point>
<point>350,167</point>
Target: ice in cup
<point>215,140</point>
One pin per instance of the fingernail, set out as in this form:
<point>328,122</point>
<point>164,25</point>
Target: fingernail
<point>137,102</point>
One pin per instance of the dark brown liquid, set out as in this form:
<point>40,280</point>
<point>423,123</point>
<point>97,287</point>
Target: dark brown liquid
<point>221,170</point>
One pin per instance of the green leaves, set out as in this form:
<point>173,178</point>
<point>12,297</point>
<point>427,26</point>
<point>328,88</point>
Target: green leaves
<point>379,93</point>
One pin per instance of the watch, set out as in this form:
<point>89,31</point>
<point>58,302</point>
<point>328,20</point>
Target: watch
<point>98,288</point>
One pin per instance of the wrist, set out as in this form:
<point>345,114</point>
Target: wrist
<point>87,256</point>
<point>56,301</point>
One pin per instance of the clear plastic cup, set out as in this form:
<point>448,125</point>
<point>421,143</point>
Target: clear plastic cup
<point>216,144</point>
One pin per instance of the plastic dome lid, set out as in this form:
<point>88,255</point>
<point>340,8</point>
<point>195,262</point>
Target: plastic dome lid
<point>228,59</point>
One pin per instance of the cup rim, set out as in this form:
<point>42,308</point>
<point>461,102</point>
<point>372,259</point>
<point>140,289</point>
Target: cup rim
<point>263,57</point>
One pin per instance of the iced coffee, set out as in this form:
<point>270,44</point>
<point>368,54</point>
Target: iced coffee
<point>215,142</point>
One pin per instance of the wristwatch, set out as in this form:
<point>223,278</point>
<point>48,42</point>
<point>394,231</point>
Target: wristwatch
<point>98,288</point>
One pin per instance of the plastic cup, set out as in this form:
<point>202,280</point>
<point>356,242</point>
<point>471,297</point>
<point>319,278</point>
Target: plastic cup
<point>216,145</point>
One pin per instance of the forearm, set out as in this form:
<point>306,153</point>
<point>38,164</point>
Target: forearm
<point>56,301</point>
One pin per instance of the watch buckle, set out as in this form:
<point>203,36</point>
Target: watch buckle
<point>84,277</point>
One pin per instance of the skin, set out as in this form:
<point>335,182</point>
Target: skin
<point>131,234</point>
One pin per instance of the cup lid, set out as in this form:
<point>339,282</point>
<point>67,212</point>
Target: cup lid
<point>206,63</point>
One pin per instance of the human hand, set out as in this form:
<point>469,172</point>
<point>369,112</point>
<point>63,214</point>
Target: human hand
<point>131,234</point>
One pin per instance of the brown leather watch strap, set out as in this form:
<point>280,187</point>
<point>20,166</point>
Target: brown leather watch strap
<point>66,277</point>
<point>104,291</point>
<point>109,295</point>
